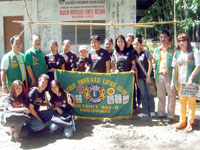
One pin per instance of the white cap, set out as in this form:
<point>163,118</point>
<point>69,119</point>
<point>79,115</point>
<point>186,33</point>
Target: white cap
<point>83,47</point>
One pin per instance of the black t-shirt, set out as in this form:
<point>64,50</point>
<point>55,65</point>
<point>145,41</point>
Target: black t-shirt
<point>61,102</point>
<point>123,60</point>
<point>143,57</point>
<point>54,61</point>
<point>16,102</point>
<point>36,98</point>
<point>110,54</point>
<point>130,48</point>
<point>81,64</point>
<point>99,59</point>
<point>69,60</point>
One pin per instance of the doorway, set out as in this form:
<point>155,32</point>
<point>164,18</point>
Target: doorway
<point>11,29</point>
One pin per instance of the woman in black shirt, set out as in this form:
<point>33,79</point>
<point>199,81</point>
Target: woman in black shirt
<point>62,102</point>
<point>15,114</point>
<point>122,59</point>
<point>145,58</point>
<point>54,60</point>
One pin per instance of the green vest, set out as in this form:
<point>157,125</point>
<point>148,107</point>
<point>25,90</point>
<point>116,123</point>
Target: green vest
<point>170,53</point>
<point>13,72</point>
<point>35,59</point>
<point>190,67</point>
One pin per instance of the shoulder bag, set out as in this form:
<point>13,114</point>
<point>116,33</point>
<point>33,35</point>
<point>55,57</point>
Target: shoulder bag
<point>153,88</point>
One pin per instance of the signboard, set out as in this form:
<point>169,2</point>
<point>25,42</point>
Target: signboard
<point>190,91</point>
<point>99,95</point>
<point>72,10</point>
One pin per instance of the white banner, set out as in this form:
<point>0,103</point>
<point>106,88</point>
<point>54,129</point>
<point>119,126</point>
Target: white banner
<point>72,10</point>
<point>191,91</point>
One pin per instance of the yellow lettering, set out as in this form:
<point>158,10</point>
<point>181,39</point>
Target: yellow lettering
<point>71,87</point>
<point>122,90</point>
<point>109,82</point>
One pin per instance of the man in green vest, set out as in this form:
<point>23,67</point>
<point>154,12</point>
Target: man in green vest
<point>163,56</point>
<point>13,65</point>
<point>35,62</point>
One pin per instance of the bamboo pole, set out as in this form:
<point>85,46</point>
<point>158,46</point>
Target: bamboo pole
<point>96,24</point>
<point>83,24</point>
<point>27,13</point>
<point>114,27</point>
<point>145,33</point>
<point>175,42</point>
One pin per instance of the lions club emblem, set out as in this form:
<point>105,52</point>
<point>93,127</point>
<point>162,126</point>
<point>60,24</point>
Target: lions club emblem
<point>95,93</point>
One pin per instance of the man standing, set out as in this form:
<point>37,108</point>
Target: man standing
<point>163,56</point>
<point>68,56</point>
<point>34,58</point>
<point>13,65</point>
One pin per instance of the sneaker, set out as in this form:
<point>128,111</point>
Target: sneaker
<point>152,114</point>
<point>170,120</point>
<point>160,117</point>
<point>141,115</point>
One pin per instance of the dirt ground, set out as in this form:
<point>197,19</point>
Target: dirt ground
<point>126,134</point>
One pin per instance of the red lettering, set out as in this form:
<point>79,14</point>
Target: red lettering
<point>89,11</point>
<point>64,12</point>
<point>76,12</point>
<point>99,11</point>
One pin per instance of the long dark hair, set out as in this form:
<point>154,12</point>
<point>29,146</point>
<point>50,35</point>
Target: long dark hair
<point>13,86</point>
<point>125,44</point>
<point>184,36</point>
<point>56,83</point>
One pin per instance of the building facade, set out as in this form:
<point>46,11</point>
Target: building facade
<point>89,11</point>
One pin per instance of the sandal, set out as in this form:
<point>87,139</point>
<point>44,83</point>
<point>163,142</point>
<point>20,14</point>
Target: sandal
<point>16,139</point>
<point>189,128</point>
<point>181,125</point>
<point>8,132</point>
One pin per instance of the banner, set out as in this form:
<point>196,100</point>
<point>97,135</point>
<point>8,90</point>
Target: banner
<point>190,91</point>
<point>71,10</point>
<point>99,95</point>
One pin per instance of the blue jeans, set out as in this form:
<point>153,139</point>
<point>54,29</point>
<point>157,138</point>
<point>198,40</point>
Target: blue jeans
<point>68,131</point>
<point>37,125</point>
<point>147,99</point>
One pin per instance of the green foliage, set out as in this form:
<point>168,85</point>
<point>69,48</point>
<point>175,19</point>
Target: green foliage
<point>162,10</point>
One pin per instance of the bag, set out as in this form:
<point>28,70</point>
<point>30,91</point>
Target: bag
<point>63,121</point>
<point>153,88</point>
<point>7,116</point>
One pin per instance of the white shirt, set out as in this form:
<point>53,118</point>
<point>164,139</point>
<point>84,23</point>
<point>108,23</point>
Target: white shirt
<point>182,66</point>
<point>181,62</point>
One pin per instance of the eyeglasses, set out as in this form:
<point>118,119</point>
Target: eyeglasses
<point>179,41</point>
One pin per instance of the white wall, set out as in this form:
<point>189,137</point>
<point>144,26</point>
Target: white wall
<point>120,11</point>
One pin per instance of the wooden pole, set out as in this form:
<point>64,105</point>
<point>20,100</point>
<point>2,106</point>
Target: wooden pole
<point>27,13</point>
<point>114,27</point>
<point>149,24</point>
<point>145,33</point>
<point>175,42</point>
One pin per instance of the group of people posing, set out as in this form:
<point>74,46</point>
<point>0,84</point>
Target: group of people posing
<point>33,73</point>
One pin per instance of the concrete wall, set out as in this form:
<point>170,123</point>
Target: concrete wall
<point>120,11</point>
<point>16,8</point>
<point>117,11</point>
<point>39,10</point>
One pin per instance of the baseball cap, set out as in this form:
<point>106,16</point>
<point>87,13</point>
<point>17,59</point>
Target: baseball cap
<point>83,47</point>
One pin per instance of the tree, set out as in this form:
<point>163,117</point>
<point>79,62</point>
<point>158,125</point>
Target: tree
<point>162,10</point>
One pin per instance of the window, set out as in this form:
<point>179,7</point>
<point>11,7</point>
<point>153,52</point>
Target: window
<point>81,34</point>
